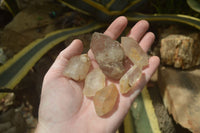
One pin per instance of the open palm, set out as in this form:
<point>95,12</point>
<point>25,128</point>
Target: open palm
<point>64,108</point>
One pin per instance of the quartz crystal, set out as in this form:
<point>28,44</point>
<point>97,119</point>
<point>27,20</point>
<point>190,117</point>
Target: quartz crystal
<point>108,54</point>
<point>94,81</point>
<point>134,52</point>
<point>78,67</point>
<point>129,79</point>
<point>105,99</point>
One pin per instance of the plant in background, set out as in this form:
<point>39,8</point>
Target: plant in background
<point>102,12</point>
<point>11,5</point>
<point>194,4</point>
<point>166,10</point>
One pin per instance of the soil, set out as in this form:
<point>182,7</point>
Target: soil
<point>7,17</point>
<point>165,120</point>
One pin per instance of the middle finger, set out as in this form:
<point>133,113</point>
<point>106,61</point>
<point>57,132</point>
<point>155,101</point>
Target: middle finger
<point>138,30</point>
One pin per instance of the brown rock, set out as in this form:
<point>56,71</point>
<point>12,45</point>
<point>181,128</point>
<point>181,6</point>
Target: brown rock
<point>180,51</point>
<point>181,95</point>
<point>105,99</point>
<point>94,81</point>
<point>134,52</point>
<point>78,67</point>
<point>109,55</point>
<point>129,79</point>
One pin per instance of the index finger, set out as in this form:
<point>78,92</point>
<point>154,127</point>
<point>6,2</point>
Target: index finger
<point>116,27</point>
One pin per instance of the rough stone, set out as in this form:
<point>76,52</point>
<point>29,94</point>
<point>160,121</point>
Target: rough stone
<point>12,121</point>
<point>105,99</point>
<point>94,81</point>
<point>129,79</point>
<point>108,54</point>
<point>78,67</point>
<point>134,52</point>
<point>181,95</point>
<point>180,51</point>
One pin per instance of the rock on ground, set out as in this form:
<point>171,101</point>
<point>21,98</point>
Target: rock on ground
<point>180,51</point>
<point>181,95</point>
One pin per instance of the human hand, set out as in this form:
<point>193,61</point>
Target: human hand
<point>64,108</point>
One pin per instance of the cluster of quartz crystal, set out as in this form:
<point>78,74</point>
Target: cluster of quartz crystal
<point>78,67</point>
<point>110,56</point>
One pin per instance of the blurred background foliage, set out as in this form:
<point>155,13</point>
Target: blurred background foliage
<point>175,7</point>
<point>187,7</point>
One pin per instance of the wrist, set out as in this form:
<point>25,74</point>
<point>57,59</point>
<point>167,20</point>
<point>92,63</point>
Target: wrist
<point>41,129</point>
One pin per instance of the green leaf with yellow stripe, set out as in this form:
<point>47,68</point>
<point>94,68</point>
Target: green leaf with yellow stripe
<point>194,4</point>
<point>142,118</point>
<point>12,6</point>
<point>17,67</point>
<point>110,9</point>
<point>185,19</point>
<point>103,11</point>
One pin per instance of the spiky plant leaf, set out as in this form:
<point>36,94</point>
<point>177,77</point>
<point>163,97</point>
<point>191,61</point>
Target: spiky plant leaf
<point>194,4</point>
<point>17,67</point>
<point>141,118</point>
<point>179,18</point>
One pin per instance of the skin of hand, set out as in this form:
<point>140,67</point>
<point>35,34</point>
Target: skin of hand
<point>64,108</point>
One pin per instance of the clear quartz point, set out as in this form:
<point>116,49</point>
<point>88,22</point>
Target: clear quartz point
<point>134,52</point>
<point>94,81</point>
<point>129,79</point>
<point>105,99</point>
